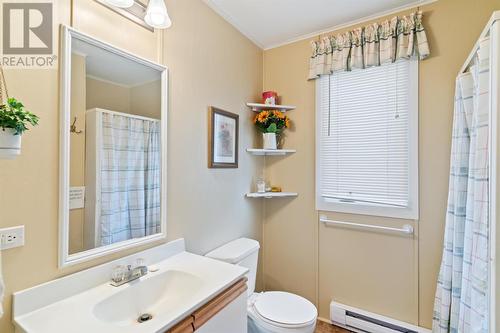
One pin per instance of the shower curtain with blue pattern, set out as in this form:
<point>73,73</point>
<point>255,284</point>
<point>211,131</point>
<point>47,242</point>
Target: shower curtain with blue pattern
<point>462,295</point>
<point>130,178</point>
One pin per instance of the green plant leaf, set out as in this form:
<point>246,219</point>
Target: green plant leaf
<point>13,115</point>
<point>272,128</point>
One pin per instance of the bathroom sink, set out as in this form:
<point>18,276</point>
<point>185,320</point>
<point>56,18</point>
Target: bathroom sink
<point>148,298</point>
<point>183,283</point>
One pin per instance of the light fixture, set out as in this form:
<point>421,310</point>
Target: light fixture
<point>157,15</point>
<point>120,3</point>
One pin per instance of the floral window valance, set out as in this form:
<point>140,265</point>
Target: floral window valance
<point>373,45</point>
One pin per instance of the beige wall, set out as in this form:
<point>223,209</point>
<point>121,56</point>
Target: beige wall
<point>92,18</point>
<point>209,204</point>
<point>385,274</point>
<point>198,198</point>
<point>146,99</point>
<point>142,100</point>
<point>108,96</point>
<point>390,275</point>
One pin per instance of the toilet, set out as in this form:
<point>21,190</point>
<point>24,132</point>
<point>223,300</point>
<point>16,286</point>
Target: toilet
<point>272,311</point>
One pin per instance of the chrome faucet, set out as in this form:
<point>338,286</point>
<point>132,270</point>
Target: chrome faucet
<point>122,275</point>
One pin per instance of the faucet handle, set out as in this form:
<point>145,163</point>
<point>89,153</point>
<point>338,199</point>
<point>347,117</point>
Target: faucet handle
<point>118,273</point>
<point>140,262</point>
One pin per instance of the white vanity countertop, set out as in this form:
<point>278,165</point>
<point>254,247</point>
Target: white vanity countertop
<point>80,313</point>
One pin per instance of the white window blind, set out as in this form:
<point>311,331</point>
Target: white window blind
<point>367,138</point>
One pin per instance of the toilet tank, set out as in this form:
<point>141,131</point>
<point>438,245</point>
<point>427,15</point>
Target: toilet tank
<point>242,252</point>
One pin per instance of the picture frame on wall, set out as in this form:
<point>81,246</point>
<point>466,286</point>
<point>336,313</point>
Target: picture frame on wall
<point>223,139</point>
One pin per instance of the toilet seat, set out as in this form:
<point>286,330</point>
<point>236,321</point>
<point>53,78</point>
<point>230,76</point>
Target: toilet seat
<point>283,309</point>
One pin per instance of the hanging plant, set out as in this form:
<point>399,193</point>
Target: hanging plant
<point>14,116</point>
<point>14,121</point>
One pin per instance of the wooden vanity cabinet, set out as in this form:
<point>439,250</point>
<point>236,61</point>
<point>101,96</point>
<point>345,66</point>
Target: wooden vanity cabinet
<point>221,314</point>
<point>185,326</point>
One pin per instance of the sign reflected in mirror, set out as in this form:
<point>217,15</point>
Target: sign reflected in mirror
<point>113,162</point>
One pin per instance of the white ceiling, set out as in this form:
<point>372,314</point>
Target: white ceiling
<point>270,23</point>
<point>108,66</point>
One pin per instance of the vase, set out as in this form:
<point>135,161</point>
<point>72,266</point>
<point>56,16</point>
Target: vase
<point>269,140</point>
<point>280,140</point>
<point>10,144</point>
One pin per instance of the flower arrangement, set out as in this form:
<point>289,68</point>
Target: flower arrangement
<point>272,121</point>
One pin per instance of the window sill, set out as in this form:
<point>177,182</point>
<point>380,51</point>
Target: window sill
<point>407,213</point>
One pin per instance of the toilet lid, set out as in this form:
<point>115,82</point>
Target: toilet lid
<point>285,308</point>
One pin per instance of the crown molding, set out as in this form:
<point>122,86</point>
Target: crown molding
<point>375,16</point>
<point>234,23</point>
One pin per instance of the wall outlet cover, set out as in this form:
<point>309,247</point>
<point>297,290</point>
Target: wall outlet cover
<point>11,237</point>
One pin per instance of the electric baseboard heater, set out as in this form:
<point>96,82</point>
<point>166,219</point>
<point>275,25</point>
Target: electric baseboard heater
<point>361,321</point>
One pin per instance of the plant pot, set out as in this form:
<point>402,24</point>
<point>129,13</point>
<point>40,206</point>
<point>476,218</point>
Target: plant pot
<point>269,141</point>
<point>10,144</point>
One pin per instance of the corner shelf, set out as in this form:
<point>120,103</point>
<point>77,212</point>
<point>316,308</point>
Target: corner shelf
<point>270,195</point>
<point>257,107</point>
<point>270,152</point>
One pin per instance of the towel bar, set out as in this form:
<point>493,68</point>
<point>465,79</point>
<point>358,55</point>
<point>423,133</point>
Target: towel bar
<point>406,229</point>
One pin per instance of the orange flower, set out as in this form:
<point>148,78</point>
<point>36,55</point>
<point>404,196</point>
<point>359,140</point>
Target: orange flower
<point>287,122</point>
<point>255,119</point>
<point>279,114</point>
<point>262,117</point>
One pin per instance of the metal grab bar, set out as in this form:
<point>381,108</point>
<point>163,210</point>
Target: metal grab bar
<point>406,229</point>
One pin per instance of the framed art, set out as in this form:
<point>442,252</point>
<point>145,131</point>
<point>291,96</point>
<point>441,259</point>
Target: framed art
<point>223,139</point>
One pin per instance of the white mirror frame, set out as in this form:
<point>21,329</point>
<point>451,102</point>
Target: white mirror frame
<point>65,259</point>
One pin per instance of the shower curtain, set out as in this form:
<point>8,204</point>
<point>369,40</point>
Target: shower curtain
<point>461,303</point>
<point>130,178</point>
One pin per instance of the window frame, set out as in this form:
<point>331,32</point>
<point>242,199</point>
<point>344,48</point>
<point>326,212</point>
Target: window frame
<point>363,208</point>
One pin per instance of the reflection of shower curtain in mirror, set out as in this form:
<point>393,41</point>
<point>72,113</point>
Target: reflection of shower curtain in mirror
<point>130,178</point>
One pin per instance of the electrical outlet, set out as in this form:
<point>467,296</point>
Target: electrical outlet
<point>11,237</point>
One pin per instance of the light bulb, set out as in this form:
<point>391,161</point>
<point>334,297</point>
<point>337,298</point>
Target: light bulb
<point>157,15</point>
<point>120,3</point>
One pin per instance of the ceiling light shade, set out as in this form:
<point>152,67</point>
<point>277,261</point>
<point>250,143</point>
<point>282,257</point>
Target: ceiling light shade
<point>120,3</point>
<point>157,15</point>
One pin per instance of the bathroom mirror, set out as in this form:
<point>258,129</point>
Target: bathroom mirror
<point>113,149</point>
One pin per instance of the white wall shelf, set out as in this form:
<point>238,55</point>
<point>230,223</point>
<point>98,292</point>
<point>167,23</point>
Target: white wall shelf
<point>270,195</point>
<point>257,107</point>
<point>270,152</point>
